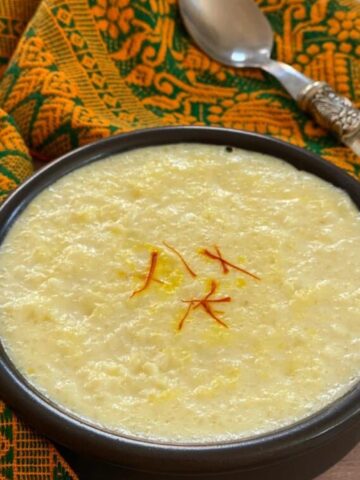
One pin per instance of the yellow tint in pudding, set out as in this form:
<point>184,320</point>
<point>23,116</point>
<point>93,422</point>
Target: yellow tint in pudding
<point>185,293</point>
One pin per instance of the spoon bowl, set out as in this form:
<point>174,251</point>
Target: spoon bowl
<point>247,40</point>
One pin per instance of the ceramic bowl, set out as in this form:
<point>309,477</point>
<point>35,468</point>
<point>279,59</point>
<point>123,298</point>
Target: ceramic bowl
<point>299,451</point>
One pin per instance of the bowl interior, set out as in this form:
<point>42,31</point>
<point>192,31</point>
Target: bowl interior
<point>69,429</point>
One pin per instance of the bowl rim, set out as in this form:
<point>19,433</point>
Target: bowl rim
<point>80,435</point>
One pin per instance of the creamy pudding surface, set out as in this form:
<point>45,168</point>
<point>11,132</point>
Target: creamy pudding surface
<point>185,293</point>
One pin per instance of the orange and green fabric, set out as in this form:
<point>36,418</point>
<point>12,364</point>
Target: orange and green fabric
<point>74,71</point>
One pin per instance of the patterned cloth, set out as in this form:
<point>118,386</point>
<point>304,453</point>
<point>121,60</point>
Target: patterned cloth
<point>74,71</point>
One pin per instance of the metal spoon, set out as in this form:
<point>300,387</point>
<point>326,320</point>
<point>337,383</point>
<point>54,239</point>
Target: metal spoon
<point>237,33</point>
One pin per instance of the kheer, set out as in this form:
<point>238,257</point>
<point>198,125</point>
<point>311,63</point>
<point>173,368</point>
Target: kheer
<point>185,293</point>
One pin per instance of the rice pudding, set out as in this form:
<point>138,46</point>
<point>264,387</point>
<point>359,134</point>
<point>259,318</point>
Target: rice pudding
<point>185,293</point>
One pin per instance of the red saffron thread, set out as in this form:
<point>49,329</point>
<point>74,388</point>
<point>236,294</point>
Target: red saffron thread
<point>150,275</point>
<point>182,321</point>
<point>204,304</point>
<point>225,263</point>
<point>178,254</point>
<point>212,314</point>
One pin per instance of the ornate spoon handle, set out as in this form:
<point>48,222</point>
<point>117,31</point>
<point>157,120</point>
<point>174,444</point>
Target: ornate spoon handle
<point>332,111</point>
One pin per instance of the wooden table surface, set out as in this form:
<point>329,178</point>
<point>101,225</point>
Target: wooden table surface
<point>347,469</point>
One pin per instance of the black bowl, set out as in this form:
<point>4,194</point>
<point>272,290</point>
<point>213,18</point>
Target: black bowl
<point>300,451</point>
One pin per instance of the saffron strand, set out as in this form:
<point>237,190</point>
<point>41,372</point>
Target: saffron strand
<point>223,263</point>
<point>204,304</point>
<point>182,321</point>
<point>219,300</point>
<point>212,314</point>
<point>150,275</point>
<point>182,259</point>
<point>226,263</point>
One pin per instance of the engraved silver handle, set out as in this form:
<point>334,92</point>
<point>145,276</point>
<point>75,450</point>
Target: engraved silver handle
<point>333,112</point>
<point>329,109</point>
